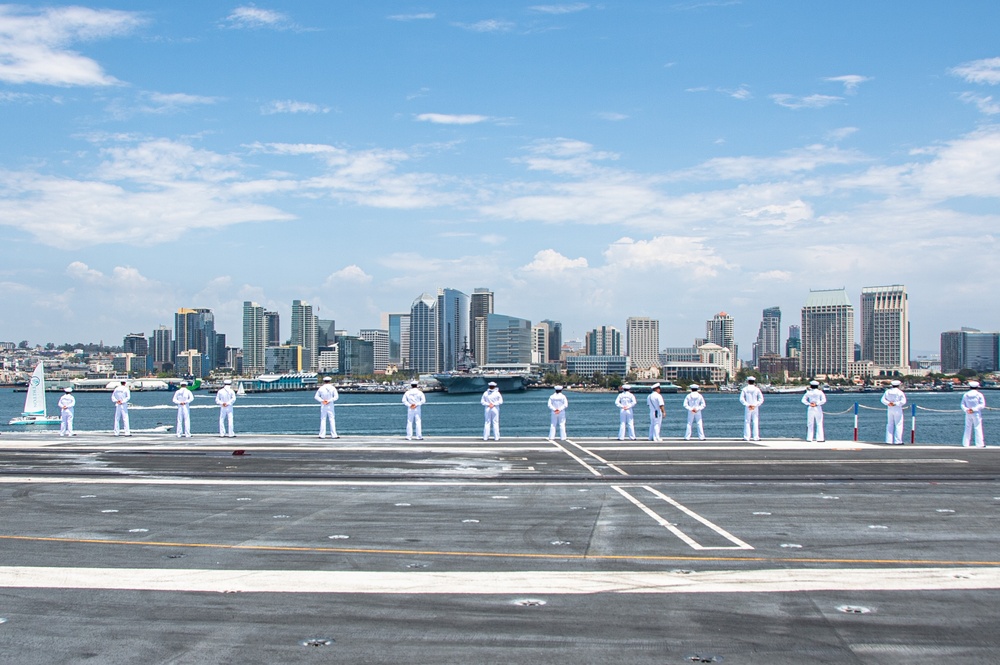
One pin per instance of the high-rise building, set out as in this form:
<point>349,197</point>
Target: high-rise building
<point>284,359</point>
<point>380,347</point>
<point>424,334</point>
<point>793,345</point>
<point>399,339</point>
<point>195,329</point>
<point>539,344</point>
<point>885,326</point>
<point>480,304</point>
<point>555,340</point>
<point>642,342</point>
<point>356,356</point>
<point>768,335</point>
<point>453,328</point>
<point>603,341</point>
<point>255,339</point>
<point>163,354</point>
<point>136,344</point>
<point>508,340</point>
<point>827,333</point>
<point>970,349</point>
<point>272,329</point>
<point>325,332</point>
<point>721,330</point>
<point>304,333</point>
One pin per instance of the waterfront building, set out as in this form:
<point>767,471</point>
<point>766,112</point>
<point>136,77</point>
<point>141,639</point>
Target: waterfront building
<point>540,344</point>
<point>380,347</point>
<point>603,341</point>
<point>272,329</point>
<point>642,342</point>
<point>588,365</point>
<point>970,349</point>
<point>129,364</point>
<point>234,359</point>
<point>713,354</point>
<point>721,330</point>
<point>326,332</point>
<point>453,328</point>
<point>508,340</point>
<point>679,354</point>
<point>827,333</point>
<point>480,304</point>
<point>768,335</point>
<point>885,327</point>
<point>136,344</point>
<point>162,351</point>
<point>777,368</point>
<point>304,333</point>
<point>255,339</point>
<point>694,372</point>
<point>356,356</point>
<point>555,339</point>
<point>793,345</point>
<point>195,329</point>
<point>424,335</point>
<point>398,326</point>
<point>190,363</point>
<point>328,361</point>
<point>284,359</point>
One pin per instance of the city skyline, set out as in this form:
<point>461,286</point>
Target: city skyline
<point>589,162</point>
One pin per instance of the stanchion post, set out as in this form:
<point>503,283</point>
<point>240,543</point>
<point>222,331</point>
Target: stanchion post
<point>855,421</point>
<point>913,423</point>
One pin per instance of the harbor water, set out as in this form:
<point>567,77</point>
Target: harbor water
<point>939,419</point>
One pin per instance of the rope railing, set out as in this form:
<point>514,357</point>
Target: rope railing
<point>913,415</point>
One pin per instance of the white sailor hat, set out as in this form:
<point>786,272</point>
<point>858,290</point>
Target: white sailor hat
<point>184,383</point>
<point>326,378</point>
<point>414,383</point>
<point>69,389</point>
<point>814,384</point>
<point>655,386</point>
<point>227,382</point>
<point>626,387</point>
<point>896,383</point>
<point>693,386</point>
<point>973,384</point>
<point>751,379</point>
<point>557,388</point>
<point>492,384</point>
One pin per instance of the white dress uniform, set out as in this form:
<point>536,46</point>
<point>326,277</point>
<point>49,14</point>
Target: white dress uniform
<point>973,404</point>
<point>557,405</point>
<point>225,399</point>
<point>626,402</point>
<point>121,396</point>
<point>894,400</point>
<point>66,404</point>
<point>695,404</point>
<point>655,404</point>
<point>326,396</point>
<point>414,398</point>
<point>751,398</point>
<point>491,400</point>
<point>183,398</point>
<point>814,399</point>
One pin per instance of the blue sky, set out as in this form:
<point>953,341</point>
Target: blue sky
<point>586,161</point>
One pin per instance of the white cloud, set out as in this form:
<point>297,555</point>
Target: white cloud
<point>452,119</point>
<point>773,276</point>
<point>612,116</point>
<point>292,106</point>
<point>689,255</point>
<point>787,214</point>
<point>841,133</point>
<point>968,166</point>
<point>351,274</point>
<point>251,17</point>
<point>979,71</point>
<point>34,44</point>
<point>488,25</point>
<point>808,102</point>
<point>741,93</point>
<point>560,9</point>
<point>984,103</point>
<point>550,263</point>
<point>850,81</point>
<point>411,17</point>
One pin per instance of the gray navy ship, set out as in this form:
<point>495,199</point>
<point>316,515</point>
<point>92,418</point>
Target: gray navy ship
<point>470,378</point>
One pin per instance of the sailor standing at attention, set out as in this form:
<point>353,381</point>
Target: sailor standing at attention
<point>695,404</point>
<point>183,398</point>
<point>657,410</point>
<point>973,404</point>
<point>894,399</point>
<point>414,398</point>
<point>66,404</point>
<point>492,401</point>
<point>326,396</point>
<point>751,397</point>
<point>814,399</point>
<point>225,398</point>
<point>625,401</point>
<point>121,396</point>
<point>557,405</point>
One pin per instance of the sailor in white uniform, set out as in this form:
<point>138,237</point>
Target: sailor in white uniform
<point>121,396</point>
<point>183,398</point>
<point>491,402</point>
<point>814,399</point>
<point>973,404</point>
<point>626,402</point>
<point>695,404</point>
<point>751,397</point>
<point>414,398</point>
<point>894,399</point>
<point>557,405</point>
<point>326,396</point>
<point>656,412</point>
<point>66,404</point>
<point>225,398</point>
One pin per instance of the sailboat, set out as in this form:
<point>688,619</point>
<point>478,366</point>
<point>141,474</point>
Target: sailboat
<point>241,390</point>
<point>34,403</point>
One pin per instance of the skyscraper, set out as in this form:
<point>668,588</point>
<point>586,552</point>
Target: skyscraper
<point>555,340</point>
<point>380,347</point>
<point>827,333</point>
<point>642,342</point>
<point>326,332</point>
<point>136,344</point>
<point>194,329</point>
<point>272,329</point>
<point>793,345</point>
<point>539,344</point>
<point>970,349</point>
<point>255,339</point>
<point>423,334</point>
<point>398,326</point>
<point>163,355</point>
<point>480,304</point>
<point>508,340</point>
<point>885,326</point>
<point>768,335</point>
<point>453,328</point>
<point>721,330</point>
<point>604,341</point>
<point>304,333</point>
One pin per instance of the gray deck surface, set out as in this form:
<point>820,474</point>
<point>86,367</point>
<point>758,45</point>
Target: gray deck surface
<point>154,549</point>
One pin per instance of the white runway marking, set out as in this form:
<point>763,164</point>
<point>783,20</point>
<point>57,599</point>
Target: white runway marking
<point>582,463</point>
<point>739,544</point>
<point>531,583</point>
<point>597,457</point>
<point>778,462</point>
